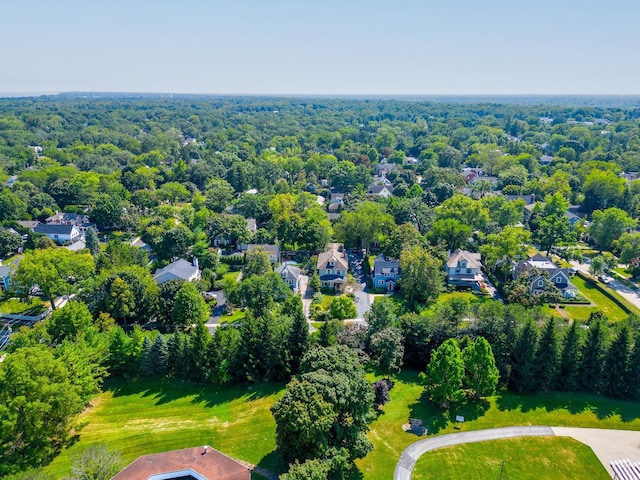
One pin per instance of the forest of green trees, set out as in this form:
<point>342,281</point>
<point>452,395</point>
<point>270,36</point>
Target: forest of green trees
<point>179,174</point>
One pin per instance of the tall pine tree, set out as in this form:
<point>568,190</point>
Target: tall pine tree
<point>593,354</point>
<point>570,357</point>
<point>546,360</point>
<point>298,338</point>
<point>523,372</point>
<point>633,373</point>
<point>616,372</point>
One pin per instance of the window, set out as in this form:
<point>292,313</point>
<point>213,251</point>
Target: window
<point>458,270</point>
<point>468,270</point>
<point>540,283</point>
<point>380,282</point>
<point>558,279</point>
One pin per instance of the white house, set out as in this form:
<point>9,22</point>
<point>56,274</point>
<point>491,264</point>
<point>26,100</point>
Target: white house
<point>290,274</point>
<point>178,270</point>
<point>59,233</point>
<point>464,269</point>
<point>333,266</point>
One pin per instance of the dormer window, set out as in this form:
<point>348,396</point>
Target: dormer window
<point>330,264</point>
<point>558,279</point>
<point>540,283</point>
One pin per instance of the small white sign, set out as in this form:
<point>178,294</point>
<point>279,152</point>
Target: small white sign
<point>459,418</point>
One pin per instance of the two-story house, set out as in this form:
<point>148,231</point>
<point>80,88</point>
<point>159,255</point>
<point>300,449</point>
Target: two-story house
<point>60,234</point>
<point>80,220</point>
<point>386,273</point>
<point>290,274</point>
<point>464,269</point>
<point>557,277</point>
<point>332,267</point>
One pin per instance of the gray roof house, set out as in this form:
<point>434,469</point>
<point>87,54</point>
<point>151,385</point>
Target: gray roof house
<point>386,273</point>
<point>290,274</point>
<point>464,269</point>
<point>178,270</point>
<point>558,277</point>
<point>59,233</point>
<point>332,266</point>
<point>272,250</point>
<point>384,191</point>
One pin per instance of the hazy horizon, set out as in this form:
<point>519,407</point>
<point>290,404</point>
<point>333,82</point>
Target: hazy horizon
<point>357,47</point>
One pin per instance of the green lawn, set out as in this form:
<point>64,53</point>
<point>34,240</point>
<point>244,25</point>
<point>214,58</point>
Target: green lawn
<point>139,417</point>
<point>557,458</point>
<point>238,314</point>
<point>506,409</point>
<point>622,271</point>
<point>35,306</point>
<point>613,311</point>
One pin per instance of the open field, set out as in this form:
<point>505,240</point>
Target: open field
<point>505,409</point>
<point>35,306</point>
<point>153,415</point>
<point>536,458</point>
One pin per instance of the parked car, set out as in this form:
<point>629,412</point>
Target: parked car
<point>605,279</point>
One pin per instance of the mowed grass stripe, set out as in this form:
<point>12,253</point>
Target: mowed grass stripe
<point>535,458</point>
<point>155,415</point>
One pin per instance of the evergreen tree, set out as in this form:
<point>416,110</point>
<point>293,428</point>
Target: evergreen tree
<point>593,355</point>
<point>178,351</point>
<point>503,346</point>
<point>523,373</point>
<point>633,373</point>
<point>91,241</point>
<point>568,371</point>
<point>546,360</point>
<point>616,372</point>
<point>481,373</point>
<point>199,339</point>
<point>147,364</point>
<point>298,338</point>
<point>159,354</point>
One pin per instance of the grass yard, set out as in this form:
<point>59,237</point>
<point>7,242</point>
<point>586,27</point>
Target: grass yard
<point>34,306</point>
<point>535,458</point>
<point>506,409</point>
<point>613,311</point>
<point>154,415</point>
<point>238,314</point>
<point>622,271</point>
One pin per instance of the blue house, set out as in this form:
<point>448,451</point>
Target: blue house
<point>386,273</point>
<point>5,279</point>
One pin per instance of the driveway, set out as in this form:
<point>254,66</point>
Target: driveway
<point>608,445</point>
<point>363,303</point>
<point>413,452</point>
<point>220,309</point>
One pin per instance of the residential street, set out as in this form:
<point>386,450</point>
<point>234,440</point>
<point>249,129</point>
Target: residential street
<point>633,296</point>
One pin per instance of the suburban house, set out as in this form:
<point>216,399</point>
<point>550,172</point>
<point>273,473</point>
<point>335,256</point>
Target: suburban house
<point>384,191</point>
<point>60,234</point>
<point>464,269</point>
<point>80,220</point>
<point>384,167</point>
<point>5,277</point>
<point>290,274</point>
<point>189,463</point>
<point>336,203</point>
<point>558,277</point>
<point>386,273</point>
<point>333,266</point>
<point>272,250</point>
<point>178,270</point>
<point>28,224</point>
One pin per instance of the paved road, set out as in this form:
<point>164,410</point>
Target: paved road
<point>608,445</point>
<point>412,453</point>
<point>632,296</point>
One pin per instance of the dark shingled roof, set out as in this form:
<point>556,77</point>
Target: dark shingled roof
<point>50,229</point>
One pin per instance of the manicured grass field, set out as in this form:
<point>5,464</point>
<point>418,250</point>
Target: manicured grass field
<point>139,417</point>
<point>238,314</point>
<point>35,306</point>
<point>506,409</point>
<point>557,458</point>
<point>613,311</point>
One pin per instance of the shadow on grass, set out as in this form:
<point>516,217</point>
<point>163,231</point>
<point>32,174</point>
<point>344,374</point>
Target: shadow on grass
<point>166,390</point>
<point>574,402</point>
<point>436,419</point>
<point>272,463</point>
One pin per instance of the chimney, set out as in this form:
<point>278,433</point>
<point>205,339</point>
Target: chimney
<point>195,262</point>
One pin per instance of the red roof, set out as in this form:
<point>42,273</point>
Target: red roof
<point>203,461</point>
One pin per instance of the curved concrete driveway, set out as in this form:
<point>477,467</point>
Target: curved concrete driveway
<point>410,456</point>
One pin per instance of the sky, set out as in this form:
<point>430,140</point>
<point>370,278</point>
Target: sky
<point>330,47</point>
